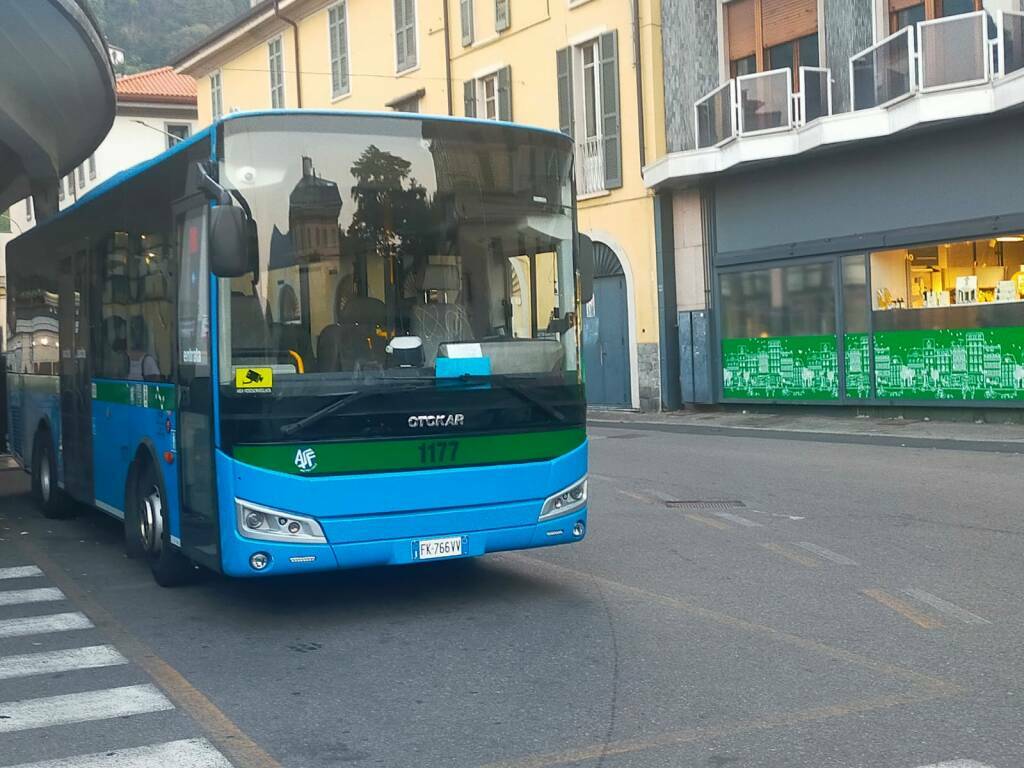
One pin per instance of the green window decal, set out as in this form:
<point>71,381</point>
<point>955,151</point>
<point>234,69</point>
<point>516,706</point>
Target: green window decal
<point>781,368</point>
<point>858,366</point>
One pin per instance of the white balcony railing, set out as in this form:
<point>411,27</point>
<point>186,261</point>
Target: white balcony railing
<point>954,51</point>
<point>765,102</point>
<point>715,116</point>
<point>815,97</point>
<point>590,166</point>
<point>885,72</point>
<point>1010,42</point>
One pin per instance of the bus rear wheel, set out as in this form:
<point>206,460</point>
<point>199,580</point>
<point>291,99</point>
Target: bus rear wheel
<point>146,528</point>
<point>47,494</point>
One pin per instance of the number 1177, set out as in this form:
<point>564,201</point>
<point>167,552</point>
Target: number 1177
<point>440,452</point>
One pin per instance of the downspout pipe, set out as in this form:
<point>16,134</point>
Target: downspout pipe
<point>639,69</point>
<point>298,56</point>
<point>447,57</point>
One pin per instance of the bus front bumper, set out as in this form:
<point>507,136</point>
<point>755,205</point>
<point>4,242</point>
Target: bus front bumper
<point>285,558</point>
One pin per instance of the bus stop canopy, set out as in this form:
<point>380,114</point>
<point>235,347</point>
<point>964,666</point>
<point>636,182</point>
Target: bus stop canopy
<point>57,98</point>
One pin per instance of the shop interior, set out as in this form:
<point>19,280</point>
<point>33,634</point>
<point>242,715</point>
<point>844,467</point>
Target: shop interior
<point>969,272</point>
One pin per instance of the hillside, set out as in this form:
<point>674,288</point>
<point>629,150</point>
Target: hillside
<point>153,32</point>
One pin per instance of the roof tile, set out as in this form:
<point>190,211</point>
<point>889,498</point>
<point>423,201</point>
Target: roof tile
<point>161,85</point>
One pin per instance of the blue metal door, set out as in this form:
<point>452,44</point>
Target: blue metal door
<point>606,333</point>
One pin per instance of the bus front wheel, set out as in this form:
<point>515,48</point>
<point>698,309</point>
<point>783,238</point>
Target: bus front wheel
<point>147,534</point>
<point>47,494</point>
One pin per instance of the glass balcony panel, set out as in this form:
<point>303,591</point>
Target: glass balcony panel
<point>954,51</point>
<point>882,74</point>
<point>714,115</point>
<point>765,101</point>
<point>1012,41</point>
<point>815,93</point>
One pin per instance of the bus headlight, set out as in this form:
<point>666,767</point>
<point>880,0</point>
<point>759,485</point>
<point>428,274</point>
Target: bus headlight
<point>257,522</point>
<point>565,502</point>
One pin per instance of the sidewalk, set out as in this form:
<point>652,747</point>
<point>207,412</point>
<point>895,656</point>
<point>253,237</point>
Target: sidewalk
<point>880,430</point>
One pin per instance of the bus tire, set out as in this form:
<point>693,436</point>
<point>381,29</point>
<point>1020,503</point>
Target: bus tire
<point>146,521</point>
<point>50,498</point>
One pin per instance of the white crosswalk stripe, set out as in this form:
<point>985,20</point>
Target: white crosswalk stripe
<point>81,707</point>
<point>946,607</point>
<point>39,625</point>
<point>48,662</point>
<point>958,764</point>
<point>191,753</point>
<point>20,572</point>
<point>40,595</point>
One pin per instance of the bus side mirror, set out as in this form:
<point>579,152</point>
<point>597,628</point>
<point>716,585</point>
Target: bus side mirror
<point>231,242</point>
<point>585,265</point>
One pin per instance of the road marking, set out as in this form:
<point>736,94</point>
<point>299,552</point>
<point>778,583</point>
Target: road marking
<point>827,554</point>
<point>709,521</point>
<point>958,764</point>
<point>637,496</point>
<point>737,519</point>
<point>81,707</point>
<point>39,625</point>
<point>188,753</point>
<point>28,664</point>
<point>659,494</point>
<point>20,572</point>
<point>231,740</point>
<point>20,596</point>
<point>789,554</point>
<point>946,607</point>
<point>903,608</point>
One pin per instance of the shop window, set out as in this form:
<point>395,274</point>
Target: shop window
<point>856,344</point>
<point>948,320</point>
<point>778,333</point>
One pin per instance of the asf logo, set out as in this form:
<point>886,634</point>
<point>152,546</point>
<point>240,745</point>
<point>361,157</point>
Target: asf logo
<point>305,459</point>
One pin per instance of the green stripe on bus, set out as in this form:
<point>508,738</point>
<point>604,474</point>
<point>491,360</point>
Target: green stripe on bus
<point>435,452</point>
<point>144,394</point>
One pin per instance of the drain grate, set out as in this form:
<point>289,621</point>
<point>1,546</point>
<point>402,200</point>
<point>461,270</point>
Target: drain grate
<point>705,504</point>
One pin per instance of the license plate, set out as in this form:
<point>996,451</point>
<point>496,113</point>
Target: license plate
<point>431,549</point>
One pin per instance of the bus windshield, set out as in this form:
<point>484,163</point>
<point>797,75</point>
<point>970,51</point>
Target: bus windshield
<point>399,247</point>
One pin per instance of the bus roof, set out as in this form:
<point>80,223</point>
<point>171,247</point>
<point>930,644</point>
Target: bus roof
<point>129,173</point>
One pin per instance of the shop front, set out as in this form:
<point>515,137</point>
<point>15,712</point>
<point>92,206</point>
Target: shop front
<point>880,275</point>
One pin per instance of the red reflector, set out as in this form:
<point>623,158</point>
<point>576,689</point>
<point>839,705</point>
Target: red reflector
<point>169,457</point>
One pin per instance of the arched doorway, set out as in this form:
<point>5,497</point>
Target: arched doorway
<point>606,333</point>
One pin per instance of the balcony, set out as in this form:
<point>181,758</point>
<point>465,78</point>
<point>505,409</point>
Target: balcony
<point>762,103</point>
<point>961,66</point>
<point>590,167</point>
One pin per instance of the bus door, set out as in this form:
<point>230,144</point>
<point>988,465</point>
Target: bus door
<point>75,379</point>
<point>199,528</point>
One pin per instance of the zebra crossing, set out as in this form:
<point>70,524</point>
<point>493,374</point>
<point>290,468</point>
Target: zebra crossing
<point>70,700</point>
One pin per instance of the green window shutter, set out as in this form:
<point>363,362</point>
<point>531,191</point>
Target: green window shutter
<point>505,93</point>
<point>502,15</point>
<point>466,14</point>
<point>469,96</point>
<point>611,129</point>
<point>563,67</point>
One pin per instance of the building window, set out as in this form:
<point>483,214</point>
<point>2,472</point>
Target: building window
<point>409,103</point>
<point>5,222</point>
<point>60,190</point>
<point>745,66</point>
<point>490,96</point>
<point>337,25</point>
<point>92,166</point>
<point>81,176</point>
<point>176,133</point>
<point>907,13</point>
<point>763,35</point>
<point>502,15</point>
<point>29,212</point>
<point>588,109</point>
<point>405,35</point>
<point>466,21</point>
<point>216,97</point>
<point>276,61</point>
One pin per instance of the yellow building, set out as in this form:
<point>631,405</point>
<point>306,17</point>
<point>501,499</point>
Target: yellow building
<point>563,64</point>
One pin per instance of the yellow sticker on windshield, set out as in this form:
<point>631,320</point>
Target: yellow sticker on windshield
<point>254,379</point>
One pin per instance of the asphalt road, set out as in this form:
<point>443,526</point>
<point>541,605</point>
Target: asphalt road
<point>738,603</point>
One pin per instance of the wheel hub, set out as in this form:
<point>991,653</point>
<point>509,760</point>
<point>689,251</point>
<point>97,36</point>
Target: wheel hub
<point>151,521</point>
<point>45,480</point>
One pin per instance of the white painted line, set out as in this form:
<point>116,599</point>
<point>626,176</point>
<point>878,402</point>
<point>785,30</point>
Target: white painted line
<point>826,554</point>
<point>636,496</point>
<point>81,707</point>
<point>659,494</point>
<point>946,607</point>
<point>20,596</point>
<point>958,764</point>
<point>27,664</point>
<point>38,625</point>
<point>191,753</point>
<point>20,572</point>
<point>737,519</point>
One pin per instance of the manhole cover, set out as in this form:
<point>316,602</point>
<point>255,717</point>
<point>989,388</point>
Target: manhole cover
<point>705,504</point>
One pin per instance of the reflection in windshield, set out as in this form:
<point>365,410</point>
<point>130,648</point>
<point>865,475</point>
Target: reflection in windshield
<point>441,248</point>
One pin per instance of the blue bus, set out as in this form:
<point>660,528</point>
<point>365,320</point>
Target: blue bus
<point>302,341</point>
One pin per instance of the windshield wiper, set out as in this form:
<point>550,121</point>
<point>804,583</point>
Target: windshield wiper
<point>346,399</point>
